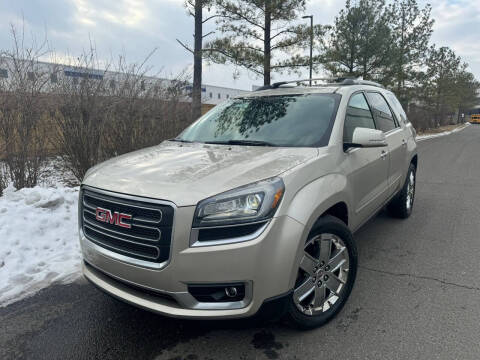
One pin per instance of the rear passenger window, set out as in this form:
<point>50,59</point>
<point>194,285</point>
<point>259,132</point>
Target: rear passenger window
<point>383,116</point>
<point>358,115</point>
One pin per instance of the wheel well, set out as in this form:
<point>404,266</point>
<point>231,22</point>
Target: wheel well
<point>339,210</point>
<point>414,161</point>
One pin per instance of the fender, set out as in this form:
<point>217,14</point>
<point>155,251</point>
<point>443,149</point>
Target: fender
<point>311,201</point>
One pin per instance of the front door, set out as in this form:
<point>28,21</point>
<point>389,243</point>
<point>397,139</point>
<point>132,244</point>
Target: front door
<point>365,168</point>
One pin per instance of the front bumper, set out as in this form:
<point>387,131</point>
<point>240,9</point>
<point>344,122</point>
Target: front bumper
<point>266,265</point>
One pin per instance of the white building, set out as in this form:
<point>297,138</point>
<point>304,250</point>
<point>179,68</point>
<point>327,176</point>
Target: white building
<point>216,94</point>
<point>211,94</point>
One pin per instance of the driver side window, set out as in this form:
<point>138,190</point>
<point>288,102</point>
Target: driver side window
<point>358,115</point>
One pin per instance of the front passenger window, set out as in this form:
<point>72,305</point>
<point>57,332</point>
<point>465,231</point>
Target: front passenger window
<point>358,115</point>
<point>383,116</point>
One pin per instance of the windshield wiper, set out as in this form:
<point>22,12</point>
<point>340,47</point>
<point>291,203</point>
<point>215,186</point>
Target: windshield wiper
<point>241,142</point>
<point>180,140</point>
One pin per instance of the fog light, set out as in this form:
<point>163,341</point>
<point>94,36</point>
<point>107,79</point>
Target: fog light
<point>231,291</point>
<point>226,292</point>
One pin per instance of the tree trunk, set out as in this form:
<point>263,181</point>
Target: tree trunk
<point>197,62</point>
<point>266,44</point>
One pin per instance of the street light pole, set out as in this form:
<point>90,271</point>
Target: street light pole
<point>311,44</point>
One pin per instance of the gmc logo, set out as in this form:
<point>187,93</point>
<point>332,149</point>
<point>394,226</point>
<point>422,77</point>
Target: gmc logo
<point>115,218</point>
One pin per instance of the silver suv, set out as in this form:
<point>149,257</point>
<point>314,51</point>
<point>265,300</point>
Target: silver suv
<point>253,206</point>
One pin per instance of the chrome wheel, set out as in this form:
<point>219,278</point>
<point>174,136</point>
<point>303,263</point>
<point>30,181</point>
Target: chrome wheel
<point>410,190</point>
<point>322,275</point>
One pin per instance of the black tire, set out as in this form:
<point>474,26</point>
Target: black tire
<point>398,205</point>
<point>327,225</point>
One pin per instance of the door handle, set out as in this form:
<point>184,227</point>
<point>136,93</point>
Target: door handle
<point>383,155</point>
<point>404,143</point>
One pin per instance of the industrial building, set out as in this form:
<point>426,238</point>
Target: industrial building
<point>211,95</point>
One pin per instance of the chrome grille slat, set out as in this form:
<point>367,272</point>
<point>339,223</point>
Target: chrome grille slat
<point>124,240</point>
<point>92,212</point>
<point>122,251</point>
<point>149,237</point>
<point>90,223</point>
<point>124,204</point>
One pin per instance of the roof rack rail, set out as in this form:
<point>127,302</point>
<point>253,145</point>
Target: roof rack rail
<point>328,81</point>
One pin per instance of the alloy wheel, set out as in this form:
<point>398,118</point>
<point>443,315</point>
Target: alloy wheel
<point>410,190</point>
<point>323,274</point>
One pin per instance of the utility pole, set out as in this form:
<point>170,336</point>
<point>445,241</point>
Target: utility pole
<point>311,45</point>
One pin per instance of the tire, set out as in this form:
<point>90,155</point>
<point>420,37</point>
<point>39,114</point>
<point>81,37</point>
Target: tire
<point>321,304</point>
<point>401,205</point>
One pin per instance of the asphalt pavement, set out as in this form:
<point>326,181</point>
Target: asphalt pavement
<point>417,294</point>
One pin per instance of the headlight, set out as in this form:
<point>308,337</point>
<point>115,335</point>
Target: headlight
<point>254,202</point>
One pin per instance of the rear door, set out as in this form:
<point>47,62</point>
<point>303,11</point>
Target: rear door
<point>366,168</point>
<point>396,139</point>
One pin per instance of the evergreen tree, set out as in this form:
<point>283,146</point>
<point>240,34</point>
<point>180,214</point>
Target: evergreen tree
<point>446,87</point>
<point>411,31</point>
<point>360,41</point>
<point>256,34</point>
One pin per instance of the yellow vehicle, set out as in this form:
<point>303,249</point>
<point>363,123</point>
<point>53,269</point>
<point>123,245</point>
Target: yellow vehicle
<point>475,119</point>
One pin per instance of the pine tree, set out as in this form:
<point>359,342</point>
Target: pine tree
<point>411,30</point>
<point>360,43</point>
<point>256,33</point>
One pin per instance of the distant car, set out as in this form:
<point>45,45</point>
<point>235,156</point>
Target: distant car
<point>475,119</point>
<point>253,205</point>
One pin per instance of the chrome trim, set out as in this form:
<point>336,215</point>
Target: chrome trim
<point>187,299</point>
<point>123,258</point>
<point>88,209</point>
<point>195,243</point>
<point>120,257</point>
<point>393,131</point>
<point>157,250</point>
<point>124,204</point>
<point>120,233</point>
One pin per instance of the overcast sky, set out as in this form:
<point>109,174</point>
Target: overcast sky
<point>136,27</point>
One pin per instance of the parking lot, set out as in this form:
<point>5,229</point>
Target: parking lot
<point>417,293</point>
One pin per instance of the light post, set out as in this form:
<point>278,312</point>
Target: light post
<point>311,44</point>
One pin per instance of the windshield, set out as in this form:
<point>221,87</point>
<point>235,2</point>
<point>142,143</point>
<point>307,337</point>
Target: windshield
<point>287,120</point>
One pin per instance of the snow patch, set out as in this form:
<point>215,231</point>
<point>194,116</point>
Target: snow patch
<point>431,136</point>
<point>38,240</point>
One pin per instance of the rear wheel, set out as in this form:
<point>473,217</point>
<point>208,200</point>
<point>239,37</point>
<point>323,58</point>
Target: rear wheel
<point>326,274</point>
<point>401,205</point>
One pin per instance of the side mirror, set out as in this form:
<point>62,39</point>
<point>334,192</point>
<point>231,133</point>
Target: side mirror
<point>366,138</point>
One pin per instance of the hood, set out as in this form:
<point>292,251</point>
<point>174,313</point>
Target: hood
<point>186,173</point>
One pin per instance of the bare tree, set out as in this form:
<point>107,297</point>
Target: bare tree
<point>144,110</point>
<point>81,114</point>
<point>104,113</point>
<point>23,109</point>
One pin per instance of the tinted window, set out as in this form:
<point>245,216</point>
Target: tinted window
<point>288,120</point>
<point>383,116</point>
<point>397,106</point>
<point>358,115</point>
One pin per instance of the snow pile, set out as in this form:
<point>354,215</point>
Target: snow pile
<point>431,136</point>
<point>38,240</point>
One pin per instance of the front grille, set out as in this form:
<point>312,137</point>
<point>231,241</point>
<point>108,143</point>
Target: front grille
<point>148,231</point>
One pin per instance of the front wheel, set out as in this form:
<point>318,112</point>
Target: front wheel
<point>325,276</point>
